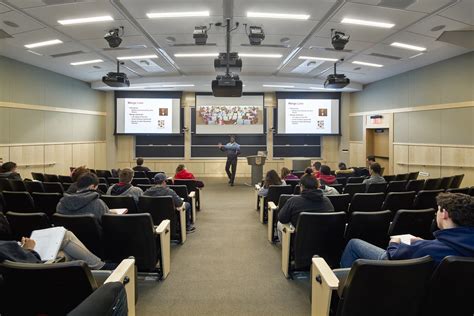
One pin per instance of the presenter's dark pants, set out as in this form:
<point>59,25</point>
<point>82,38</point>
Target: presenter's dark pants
<point>230,168</point>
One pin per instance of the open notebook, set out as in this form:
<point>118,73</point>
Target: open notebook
<point>405,238</point>
<point>48,241</point>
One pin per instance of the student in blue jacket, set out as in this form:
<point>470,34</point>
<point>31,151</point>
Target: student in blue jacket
<point>455,237</point>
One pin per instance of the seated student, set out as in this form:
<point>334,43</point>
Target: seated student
<point>75,174</point>
<point>85,201</point>
<point>183,174</point>
<point>125,187</point>
<point>8,171</point>
<point>287,175</point>
<point>325,176</point>
<point>344,171</point>
<point>311,199</point>
<point>316,169</point>
<point>140,166</point>
<point>71,248</point>
<point>370,160</point>
<point>455,237</point>
<point>271,178</point>
<point>375,176</point>
<point>160,189</point>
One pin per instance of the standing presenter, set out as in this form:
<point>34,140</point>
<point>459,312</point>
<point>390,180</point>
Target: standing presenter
<point>232,150</point>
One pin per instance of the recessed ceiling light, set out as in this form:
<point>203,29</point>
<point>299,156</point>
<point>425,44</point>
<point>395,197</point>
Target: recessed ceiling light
<point>367,64</point>
<point>437,28</point>
<point>321,88</point>
<point>197,55</point>
<point>11,24</point>
<point>136,57</point>
<point>367,23</point>
<point>94,61</point>
<point>317,58</point>
<point>86,20</point>
<point>276,86</point>
<point>251,14</point>
<point>419,54</point>
<point>408,46</point>
<point>33,52</point>
<point>45,43</point>
<point>261,55</point>
<point>177,14</point>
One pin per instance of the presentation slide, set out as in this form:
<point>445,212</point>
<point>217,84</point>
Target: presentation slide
<point>242,115</point>
<point>308,116</point>
<point>147,116</point>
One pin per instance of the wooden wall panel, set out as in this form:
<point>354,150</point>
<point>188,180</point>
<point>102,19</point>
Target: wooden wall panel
<point>61,154</point>
<point>424,155</point>
<point>4,153</point>
<point>100,156</point>
<point>468,172</point>
<point>28,158</point>
<point>83,154</point>
<point>457,156</point>
<point>400,154</point>
<point>357,154</point>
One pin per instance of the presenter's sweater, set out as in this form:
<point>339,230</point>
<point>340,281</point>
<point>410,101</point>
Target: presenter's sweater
<point>309,201</point>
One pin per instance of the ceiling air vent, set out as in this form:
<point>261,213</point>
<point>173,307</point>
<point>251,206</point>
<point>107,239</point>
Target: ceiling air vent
<point>57,2</point>
<point>77,52</point>
<point>4,34</point>
<point>341,50</point>
<point>385,56</point>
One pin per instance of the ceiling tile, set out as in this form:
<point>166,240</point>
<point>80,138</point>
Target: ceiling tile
<point>462,12</point>
<point>24,24</point>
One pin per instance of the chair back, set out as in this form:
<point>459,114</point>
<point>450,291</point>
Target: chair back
<point>385,287</point>
<point>426,199</point>
<point>451,282</point>
<point>446,182</point>
<point>191,184</point>
<point>396,186</point>
<point>65,179</point>
<point>341,180</point>
<point>22,224</point>
<point>413,175</point>
<point>339,187</point>
<point>355,180</point>
<point>432,184</point>
<point>34,186</point>
<point>298,173</point>
<point>319,234</point>
<point>340,202</point>
<point>131,235</point>
<point>46,202</point>
<point>151,174</point>
<point>102,187</point>
<point>402,176</point>
<point>293,183</point>
<point>21,202</point>
<point>367,202</point>
<point>415,222</point>
<point>17,185</point>
<point>283,199</point>
<point>37,176</point>
<point>5,185</point>
<point>274,192</point>
<point>139,174</point>
<point>353,188</point>
<point>51,178</point>
<point>119,201</point>
<point>113,180</point>
<point>181,191</point>
<point>53,187</point>
<point>144,187</point>
<point>376,188</point>
<point>86,228</point>
<point>459,190</point>
<point>55,289</point>
<point>103,173</point>
<point>369,226</point>
<point>161,208</point>
<point>389,178</point>
<point>457,180</point>
<point>395,201</point>
<point>415,185</point>
<point>137,181</point>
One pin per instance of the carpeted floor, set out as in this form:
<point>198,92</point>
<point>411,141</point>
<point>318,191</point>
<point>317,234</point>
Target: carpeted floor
<point>226,267</point>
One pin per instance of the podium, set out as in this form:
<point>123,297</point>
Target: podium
<point>257,163</point>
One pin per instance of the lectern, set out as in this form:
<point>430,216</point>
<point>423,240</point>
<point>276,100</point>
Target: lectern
<point>257,163</point>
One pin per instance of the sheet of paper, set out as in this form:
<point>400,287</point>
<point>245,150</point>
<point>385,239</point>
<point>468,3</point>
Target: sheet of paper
<point>48,241</point>
<point>119,210</point>
<point>406,238</point>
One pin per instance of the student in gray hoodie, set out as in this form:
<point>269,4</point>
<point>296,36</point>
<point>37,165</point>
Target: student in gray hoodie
<point>85,201</point>
<point>375,177</point>
<point>125,187</point>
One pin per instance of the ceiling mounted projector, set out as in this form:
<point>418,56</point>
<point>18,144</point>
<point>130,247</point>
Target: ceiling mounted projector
<point>227,86</point>
<point>116,79</point>
<point>234,61</point>
<point>256,35</point>
<point>339,39</point>
<point>113,37</point>
<point>200,35</point>
<point>335,80</point>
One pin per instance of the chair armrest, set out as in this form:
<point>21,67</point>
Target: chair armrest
<point>125,273</point>
<point>271,208</point>
<point>182,221</point>
<point>323,282</point>
<point>287,230</point>
<point>192,196</point>
<point>262,208</point>
<point>165,242</point>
